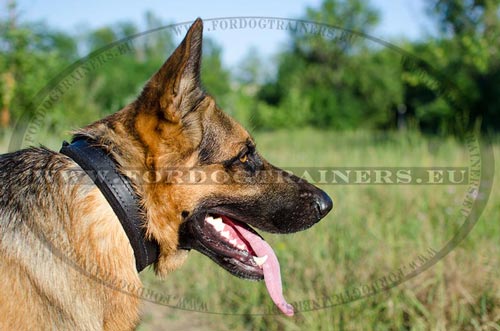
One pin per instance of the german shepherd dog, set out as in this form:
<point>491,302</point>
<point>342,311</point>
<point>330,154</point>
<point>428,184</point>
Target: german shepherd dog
<point>53,230</point>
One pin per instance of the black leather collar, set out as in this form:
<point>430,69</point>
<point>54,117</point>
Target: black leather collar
<point>118,191</point>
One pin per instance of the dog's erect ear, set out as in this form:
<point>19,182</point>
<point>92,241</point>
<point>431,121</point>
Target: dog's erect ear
<point>175,89</point>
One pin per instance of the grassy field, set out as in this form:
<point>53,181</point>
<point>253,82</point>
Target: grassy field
<point>374,232</point>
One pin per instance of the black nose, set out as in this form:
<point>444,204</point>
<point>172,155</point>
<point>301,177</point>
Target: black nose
<point>324,203</point>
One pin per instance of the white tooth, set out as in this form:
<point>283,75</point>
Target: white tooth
<point>218,225</point>
<point>233,242</point>
<point>240,246</point>
<point>215,222</point>
<point>260,260</point>
<point>225,234</point>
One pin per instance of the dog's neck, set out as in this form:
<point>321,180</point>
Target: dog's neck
<point>119,193</point>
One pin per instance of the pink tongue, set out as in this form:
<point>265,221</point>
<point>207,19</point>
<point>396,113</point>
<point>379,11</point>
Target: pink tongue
<point>271,267</point>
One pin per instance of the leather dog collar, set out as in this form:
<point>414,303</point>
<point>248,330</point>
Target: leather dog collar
<point>118,191</point>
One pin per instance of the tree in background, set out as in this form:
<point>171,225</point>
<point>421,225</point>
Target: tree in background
<point>332,82</point>
<point>215,77</point>
<point>333,78</point>
<point>466,54</point>
<point>329,76</point>
<point>31,55</point>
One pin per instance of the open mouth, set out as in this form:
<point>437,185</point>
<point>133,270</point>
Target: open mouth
<point>237,248</point>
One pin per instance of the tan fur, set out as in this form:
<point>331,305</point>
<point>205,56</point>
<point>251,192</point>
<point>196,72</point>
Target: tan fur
<point>79,270</point>
<point>95,258</point>
<point>38,296</point>
<point>65,260</point>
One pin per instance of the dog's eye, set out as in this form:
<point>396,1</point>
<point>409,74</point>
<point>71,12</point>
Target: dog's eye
<point>244,158</point>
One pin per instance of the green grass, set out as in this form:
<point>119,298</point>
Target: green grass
<point>373,231</point>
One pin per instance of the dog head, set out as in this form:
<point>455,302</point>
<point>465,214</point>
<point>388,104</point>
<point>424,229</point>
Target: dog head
<point>202,172</point>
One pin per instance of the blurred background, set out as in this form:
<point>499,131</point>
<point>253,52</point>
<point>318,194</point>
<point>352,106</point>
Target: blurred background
<point>380,84</point>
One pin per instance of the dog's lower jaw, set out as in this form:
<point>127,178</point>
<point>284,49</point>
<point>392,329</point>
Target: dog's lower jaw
<point>168,263</point>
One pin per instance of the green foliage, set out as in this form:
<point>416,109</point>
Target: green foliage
<point>467,54</point>
<point>341,80</point>
<point>32,55</point>
<point>29,55</point>
<point>329,76</point>
<point>372,231</point>
<point>334,79</point>
<point>215,78</point>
